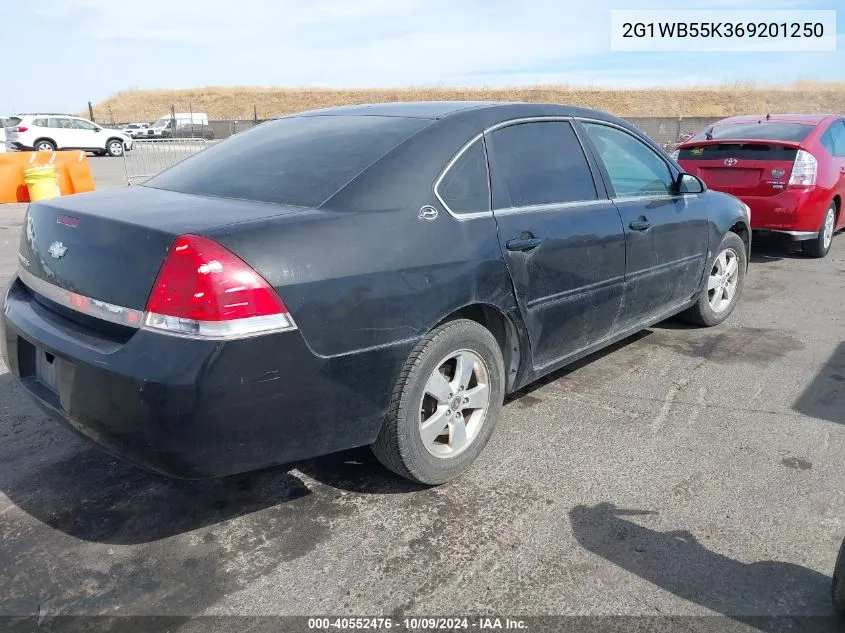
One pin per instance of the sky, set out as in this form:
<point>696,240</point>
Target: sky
<point>69,52</point>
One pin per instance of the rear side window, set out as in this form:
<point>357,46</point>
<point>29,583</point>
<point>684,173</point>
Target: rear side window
<point>301,161</point>
<point>763,131</point>
<point>57,122</point>
<point>465,187</point>
<point>538,163</point>
<point>834,138</point>
<point>634,168</point>
<point>39,122</point>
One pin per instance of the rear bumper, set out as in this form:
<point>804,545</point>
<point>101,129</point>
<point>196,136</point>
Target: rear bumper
<point>795,213</point>
<point>797,236</point>
<point>197,409</point>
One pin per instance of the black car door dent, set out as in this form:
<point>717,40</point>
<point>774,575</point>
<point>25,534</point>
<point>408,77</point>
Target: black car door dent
<point>560,235</point>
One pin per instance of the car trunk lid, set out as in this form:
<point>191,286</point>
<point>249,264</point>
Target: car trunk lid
<point>741,167</point>
<point>109,246</point>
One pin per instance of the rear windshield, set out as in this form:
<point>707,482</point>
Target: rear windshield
<point>12,121</point>
<point>301,161</point>
<point>764,131</point>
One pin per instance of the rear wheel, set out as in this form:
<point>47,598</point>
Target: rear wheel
<point>724,284</point>
<point>445,404</point>
<point>820,246</point>
<point>114,147</point>
<point>45,145</point>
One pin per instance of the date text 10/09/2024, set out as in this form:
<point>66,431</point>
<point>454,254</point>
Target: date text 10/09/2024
<point>416,624</point>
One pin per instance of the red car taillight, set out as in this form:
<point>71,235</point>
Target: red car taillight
<point>804,170</point>
<point>20,128</point>
<point>205,291</point>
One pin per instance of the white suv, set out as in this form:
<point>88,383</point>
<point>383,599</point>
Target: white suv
<point>62,131</point>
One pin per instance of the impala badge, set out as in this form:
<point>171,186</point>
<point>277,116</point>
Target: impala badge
<point>428,213</point>
<point>730,162</point>
<point>57,250</point>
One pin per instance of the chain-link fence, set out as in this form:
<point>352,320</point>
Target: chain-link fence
<point>149,157</point>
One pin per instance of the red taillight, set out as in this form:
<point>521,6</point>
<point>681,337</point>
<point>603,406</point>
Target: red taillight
<point>20,128</point>
<point>205,290</point>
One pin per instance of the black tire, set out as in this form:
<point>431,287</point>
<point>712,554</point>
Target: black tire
<point>837,587</point>
<point>702,313</point>
<point>817,246</point>
<point>44,145</point>
<point>400,446</point>
<point>115,147</point>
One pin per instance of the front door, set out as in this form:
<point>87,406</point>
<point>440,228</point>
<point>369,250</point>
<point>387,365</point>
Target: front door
<point>88,135</point>
<point>561,236</point>
<point>666,232</point>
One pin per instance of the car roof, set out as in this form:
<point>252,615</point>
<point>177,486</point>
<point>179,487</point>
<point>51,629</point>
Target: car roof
<point>488,111</point>
<point>405,109</point>
<point>809,119</point>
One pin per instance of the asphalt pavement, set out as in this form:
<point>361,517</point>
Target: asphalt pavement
<point>684,471</point>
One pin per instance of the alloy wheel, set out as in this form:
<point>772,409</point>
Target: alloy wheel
<point>723,280</point>
<point>454,404</point>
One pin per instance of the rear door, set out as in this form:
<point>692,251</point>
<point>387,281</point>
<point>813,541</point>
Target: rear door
<point>741,168</point>
<point>560,235</point>
<point>63,132</point>
<point>666,233</point>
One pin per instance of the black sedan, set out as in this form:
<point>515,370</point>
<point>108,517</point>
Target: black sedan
<point>373,275</point>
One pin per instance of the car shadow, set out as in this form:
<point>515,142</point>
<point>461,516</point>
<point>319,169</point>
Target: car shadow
<point>88,494</point>
<point>573,367</point>
<point>824,396</point>
<point>767,249</point>
<point>768,595</point>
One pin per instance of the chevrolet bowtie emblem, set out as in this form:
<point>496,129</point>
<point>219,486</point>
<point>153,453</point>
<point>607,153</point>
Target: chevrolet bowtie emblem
<point>57,250</point>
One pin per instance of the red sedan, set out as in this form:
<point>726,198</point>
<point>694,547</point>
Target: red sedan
<point>788,168</point>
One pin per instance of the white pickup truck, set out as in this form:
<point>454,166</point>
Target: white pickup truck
<point>173,121</point>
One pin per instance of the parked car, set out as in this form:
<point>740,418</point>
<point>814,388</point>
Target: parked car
<point>168,122</point>
<point>136,130</point>
<point>189,130</point>
<point>50,132</point>
<point>352,276</point>
<point>789,168</point>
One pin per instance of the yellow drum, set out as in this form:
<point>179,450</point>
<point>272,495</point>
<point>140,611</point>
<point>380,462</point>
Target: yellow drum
<point>42,182</point>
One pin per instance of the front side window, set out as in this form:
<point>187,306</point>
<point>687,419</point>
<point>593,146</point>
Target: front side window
<point>81,124</point>
<point>634,168</point>
<point>538,163</point>
<point>465,187</point>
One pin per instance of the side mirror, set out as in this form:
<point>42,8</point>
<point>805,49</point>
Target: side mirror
<point>687,183</point>
<point>96,129</point>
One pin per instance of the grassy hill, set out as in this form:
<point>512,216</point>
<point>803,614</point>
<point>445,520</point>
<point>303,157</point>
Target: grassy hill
<point>238,102</point>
